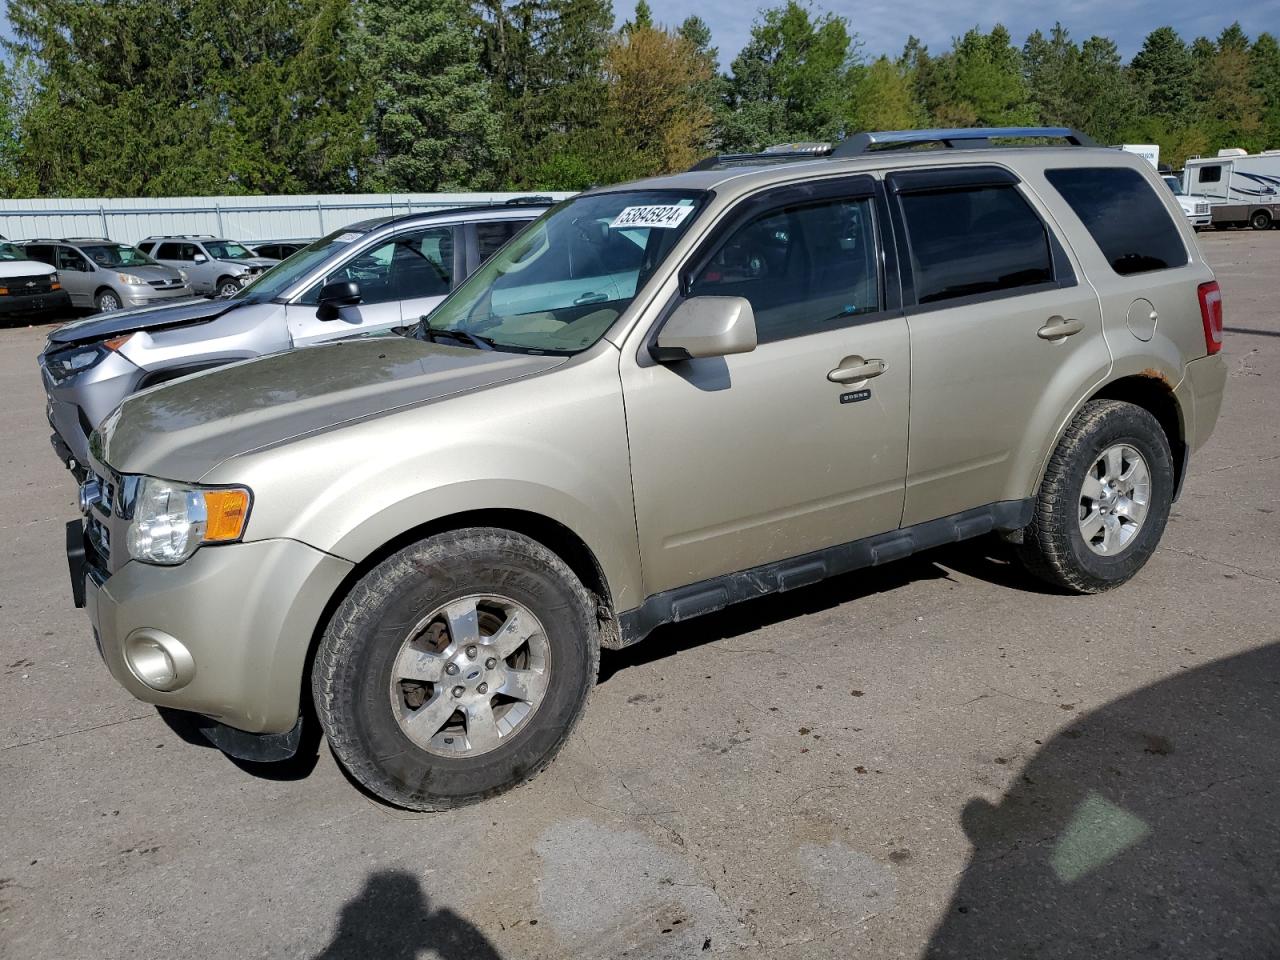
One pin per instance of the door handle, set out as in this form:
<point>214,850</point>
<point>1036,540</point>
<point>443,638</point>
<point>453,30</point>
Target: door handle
<point>1059,328</point>
<point>591,298</point>
<point>853,369</point>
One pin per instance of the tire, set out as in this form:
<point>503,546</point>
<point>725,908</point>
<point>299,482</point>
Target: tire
<point>107,300</point>
<point>1260,220</point>
<point>367,707</point>
<point>1054,545</point>
<point>226,286</point>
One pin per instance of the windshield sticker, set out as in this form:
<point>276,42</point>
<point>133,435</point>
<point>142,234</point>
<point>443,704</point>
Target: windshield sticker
<point>346,238</point>
<point>664,216</point>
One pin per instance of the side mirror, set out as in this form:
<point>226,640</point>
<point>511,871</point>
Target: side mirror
<point>334,296</point>
<point>707,327</point>
<point>200,258</point>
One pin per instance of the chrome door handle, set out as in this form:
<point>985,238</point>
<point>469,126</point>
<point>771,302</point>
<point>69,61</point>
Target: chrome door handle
<point>591,298</point>
<point>853,369</point>
<point>1059,328</point>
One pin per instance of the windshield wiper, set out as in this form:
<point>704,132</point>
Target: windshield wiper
<point>431,333</point>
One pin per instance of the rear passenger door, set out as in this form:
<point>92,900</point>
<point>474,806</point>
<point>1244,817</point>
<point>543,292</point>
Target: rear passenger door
<point>763,456</point>
<point>1004,332</point>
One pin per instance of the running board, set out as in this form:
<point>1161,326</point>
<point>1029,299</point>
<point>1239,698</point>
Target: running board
<point>708,596</point>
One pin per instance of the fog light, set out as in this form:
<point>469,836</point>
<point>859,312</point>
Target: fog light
<point>159,660</point>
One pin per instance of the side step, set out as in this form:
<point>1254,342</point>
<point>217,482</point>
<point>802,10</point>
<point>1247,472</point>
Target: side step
<point>708,596</point>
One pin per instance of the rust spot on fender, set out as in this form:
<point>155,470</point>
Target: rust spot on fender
<point>1153,374</point>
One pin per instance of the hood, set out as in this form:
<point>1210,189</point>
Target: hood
<point>257,263</point>
<point>181,430</point>
<point>168,314</point>
<point>24,268</point>
<point>147,271</point>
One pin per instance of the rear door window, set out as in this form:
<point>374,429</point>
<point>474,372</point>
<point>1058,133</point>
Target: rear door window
<point>968,241</point>
<point>1124,216</point>
<point>492,234</point>
<point>168,251</point>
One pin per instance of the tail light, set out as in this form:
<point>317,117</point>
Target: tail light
<point>1211,315</point>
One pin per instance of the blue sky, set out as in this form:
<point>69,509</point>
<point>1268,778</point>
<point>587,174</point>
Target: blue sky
<point>883,25</point>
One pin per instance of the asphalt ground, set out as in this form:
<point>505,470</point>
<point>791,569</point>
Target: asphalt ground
<point>938,758</point>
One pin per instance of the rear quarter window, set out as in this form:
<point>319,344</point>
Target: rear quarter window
<point>1128,222</point>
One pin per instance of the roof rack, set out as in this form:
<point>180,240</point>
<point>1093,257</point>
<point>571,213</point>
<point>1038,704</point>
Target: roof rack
<point>858,144</point>
<point>536,199</point>
<point>181,236</point>
<point>68,240</point>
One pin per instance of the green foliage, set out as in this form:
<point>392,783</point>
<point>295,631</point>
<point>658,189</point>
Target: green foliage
<point>790,82</point>
<point>433,121</point>
<point>161,97</point>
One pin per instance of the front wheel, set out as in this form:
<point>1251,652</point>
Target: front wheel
<point>227,286</point>
<point>1104,501</point>
<point>456,668</point>
<point>106,301</point>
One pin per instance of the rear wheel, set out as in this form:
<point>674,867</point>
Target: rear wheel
<point>456,668</point>
<point>1261,220</point>
<point>107,300</point>
<point>1104,501</point>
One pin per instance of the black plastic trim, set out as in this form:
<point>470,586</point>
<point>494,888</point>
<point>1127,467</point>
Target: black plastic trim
<point>949,178</point>
<point>708,596</point>
<point>255,747</point>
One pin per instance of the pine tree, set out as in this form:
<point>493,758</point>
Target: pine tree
<point>432,120</point>
<point>1164,70</point>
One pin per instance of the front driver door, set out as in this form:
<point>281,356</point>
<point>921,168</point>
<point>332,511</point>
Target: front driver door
<point>757,457</point>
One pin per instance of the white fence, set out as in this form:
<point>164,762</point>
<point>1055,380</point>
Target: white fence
<point>236,218</point>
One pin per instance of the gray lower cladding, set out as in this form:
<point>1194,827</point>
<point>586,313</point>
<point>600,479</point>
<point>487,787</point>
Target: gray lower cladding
<point>708,596</point>
<point>255,747</point>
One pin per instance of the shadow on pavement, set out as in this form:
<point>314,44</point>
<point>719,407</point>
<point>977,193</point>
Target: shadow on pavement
<point>391,919</point>
<point>1149,828</point>
<point>298,767</point>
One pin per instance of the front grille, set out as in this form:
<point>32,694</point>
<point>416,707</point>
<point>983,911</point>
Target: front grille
<point>1202,208</point>
<point>165,284</point>
<point>98,539</point>
<point>23,286</point>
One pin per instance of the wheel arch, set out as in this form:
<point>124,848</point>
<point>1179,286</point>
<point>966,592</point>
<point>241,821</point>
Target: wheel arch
<point>564,542</point>
<point>1151,390</point>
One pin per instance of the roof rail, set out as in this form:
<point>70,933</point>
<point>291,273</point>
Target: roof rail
<point>181,236</point>
<point>958,138</point>
<point>534,199</point>
<point>961,138</point>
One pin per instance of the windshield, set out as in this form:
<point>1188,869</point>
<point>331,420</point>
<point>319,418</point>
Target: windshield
<point>1174,184</point>
<point>116,255</point>
<point>284,274</point>
<point>9,251</point>
<point>227,250</point>
<point>559,285</point>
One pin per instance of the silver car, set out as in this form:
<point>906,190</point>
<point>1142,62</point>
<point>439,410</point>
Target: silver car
<point>368,277</point>
<point>103,275</point>
<point>216,267</point>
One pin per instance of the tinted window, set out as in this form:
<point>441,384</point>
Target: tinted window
<point>974,240</point>
<point>413,265</point>
<point>40,251</point>
<point>1123,215</point>
<point>69,259</point>
<point>805,269</point>
<point>1211,174</point>
<point>168,251</point>
<point>492,234</point>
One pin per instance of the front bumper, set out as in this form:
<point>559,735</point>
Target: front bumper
<point>142,296</point>
<point>245,614</point>
<point>55,302</point>
<point>77,405</point>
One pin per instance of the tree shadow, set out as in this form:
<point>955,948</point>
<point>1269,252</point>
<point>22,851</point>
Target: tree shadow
<point>1149,828</point>
<point>391,919</point>
<point>984,558</point>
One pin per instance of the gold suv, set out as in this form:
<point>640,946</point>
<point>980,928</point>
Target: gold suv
<point>658,399</point>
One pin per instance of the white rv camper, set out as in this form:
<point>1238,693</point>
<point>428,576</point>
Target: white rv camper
<point>1242,189</point>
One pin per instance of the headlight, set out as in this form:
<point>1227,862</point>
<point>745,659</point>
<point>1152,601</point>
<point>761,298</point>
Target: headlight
<point>65,364</point>
<point>170,521</point>
<point>130,280</point>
